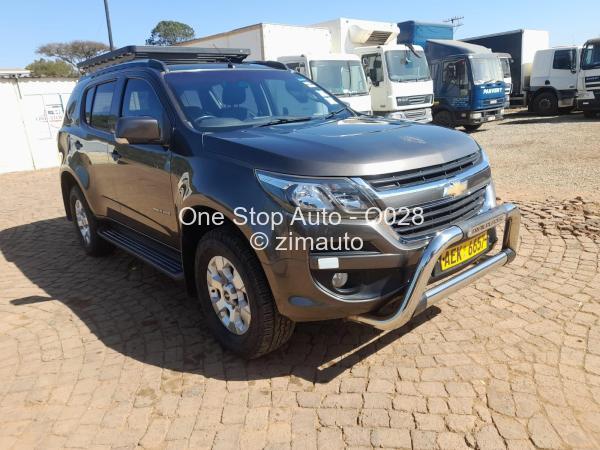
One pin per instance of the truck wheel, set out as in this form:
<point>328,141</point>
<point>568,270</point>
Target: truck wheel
<point>444,118</point>
<point>471,128</point>
<point>86,225</point>
<point>235,296</point>
<point>589,114</point>
<point>546,104</point>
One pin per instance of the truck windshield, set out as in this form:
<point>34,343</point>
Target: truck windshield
<point>340,77</point>
<point>239,97</point>
<point>486,70</point>
<point>590,57</point>
<point>404,65</point>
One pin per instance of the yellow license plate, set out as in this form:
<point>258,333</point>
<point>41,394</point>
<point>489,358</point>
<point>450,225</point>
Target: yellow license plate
<point>464,251</point>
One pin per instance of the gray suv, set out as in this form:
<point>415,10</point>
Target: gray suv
<point>273,201</point>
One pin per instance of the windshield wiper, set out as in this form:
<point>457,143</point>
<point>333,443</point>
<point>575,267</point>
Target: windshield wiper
<point>282,120</point>
<point>335,113</point>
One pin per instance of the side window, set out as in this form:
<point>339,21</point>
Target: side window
<point>89,100</point>
<point>373,67</point>
<point>102,116</point>
<point>454,72</point>
<point>141,100</point>
<point>563,59</point>
<point>297,66</point>
<point>71,112</point>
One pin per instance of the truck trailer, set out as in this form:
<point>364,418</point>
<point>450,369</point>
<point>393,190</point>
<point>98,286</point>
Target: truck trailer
<point>522,46</point>
<point>306,45</point>
<point>468,79</point>
<point>401,85</point>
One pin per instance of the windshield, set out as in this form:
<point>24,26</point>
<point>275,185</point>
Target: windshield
<point>486,70</point>
<point>340,77</point>
<point>404,65</point>
<point>248,97</point>
<point>505,67</point>
<point>590,57</point>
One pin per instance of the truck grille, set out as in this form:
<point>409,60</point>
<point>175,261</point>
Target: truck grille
<point>415,114</point>
<point>416,99</point>
<point>439,215</point>
<point>419,176</point>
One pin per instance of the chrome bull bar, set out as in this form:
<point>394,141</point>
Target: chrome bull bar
<point>418,297</point>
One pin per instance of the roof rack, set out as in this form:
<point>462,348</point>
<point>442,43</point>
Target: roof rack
<point>167,55</point>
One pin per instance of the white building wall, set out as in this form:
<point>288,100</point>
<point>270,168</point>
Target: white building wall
<point>31,113</point>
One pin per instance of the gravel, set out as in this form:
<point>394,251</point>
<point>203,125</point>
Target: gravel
<point>534,158</point>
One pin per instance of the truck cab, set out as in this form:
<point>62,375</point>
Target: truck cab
<point>468,84</point>
<point>341,74</point>
<point>505,62</point>
<point>588,95</point>
<point>553,82</point>
<point>401,85</point>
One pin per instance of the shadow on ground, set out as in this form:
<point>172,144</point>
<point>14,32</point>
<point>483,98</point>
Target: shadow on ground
<point>146,316</point>
<point>525,118</point>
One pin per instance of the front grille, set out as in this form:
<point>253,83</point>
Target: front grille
<point>415,113</point>
<point>416,99</point>
<point>419,176</point>
<point>439,215</point>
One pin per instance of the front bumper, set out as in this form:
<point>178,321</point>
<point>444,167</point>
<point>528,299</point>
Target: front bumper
<point>478,117</point>
<point>419,296</point>
<point>589,104</point>
<point>420,115</point>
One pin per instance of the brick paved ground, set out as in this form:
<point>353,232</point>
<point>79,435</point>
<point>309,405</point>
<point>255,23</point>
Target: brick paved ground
<point>107,353</point>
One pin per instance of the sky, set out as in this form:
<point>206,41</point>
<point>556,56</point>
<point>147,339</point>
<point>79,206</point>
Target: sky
<point>26,24</point>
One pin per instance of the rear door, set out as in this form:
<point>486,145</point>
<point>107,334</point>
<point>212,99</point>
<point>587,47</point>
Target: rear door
<point>142,173</point>
<point>91,141</point>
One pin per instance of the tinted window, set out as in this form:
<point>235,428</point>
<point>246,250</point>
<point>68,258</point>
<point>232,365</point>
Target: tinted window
<point>89,99</point>
<point>102,116</point>
<point>562,59</point>
<point>455,72</point>
<point>141,100</point>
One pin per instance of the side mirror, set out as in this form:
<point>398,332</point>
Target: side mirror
<point>138,130</point>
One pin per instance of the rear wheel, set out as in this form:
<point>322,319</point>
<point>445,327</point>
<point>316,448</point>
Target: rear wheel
<point>589,114</point>
<point>546,104</point>
<point>86,225</point>
<point>235,296</point>
<point>444,118</point>
<point>471,128</point>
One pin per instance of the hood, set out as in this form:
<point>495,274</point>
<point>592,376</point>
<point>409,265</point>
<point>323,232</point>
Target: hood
<point>351,147</point>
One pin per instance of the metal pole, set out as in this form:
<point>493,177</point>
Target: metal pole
<point>110,40</point>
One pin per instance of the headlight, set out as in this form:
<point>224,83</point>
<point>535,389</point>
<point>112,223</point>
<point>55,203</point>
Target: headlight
<point>402,101</point>
<point>315,194</point>
<point>429,98</point>
<point>476,115</point>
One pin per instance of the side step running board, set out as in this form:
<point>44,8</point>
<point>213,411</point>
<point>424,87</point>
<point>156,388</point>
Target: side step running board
<point>166,263</point>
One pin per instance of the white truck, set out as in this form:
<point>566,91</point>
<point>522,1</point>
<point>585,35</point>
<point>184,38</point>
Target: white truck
<point>401,84</point>
<point>588,84</point>
<point>299,46</point>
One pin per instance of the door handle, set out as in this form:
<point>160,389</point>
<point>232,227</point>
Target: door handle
<point>115,155</point>
<point>78,145</point>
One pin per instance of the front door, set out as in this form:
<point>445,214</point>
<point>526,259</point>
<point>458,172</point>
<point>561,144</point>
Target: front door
<point>142,171</point>
<point>373,66</point>
<point>563,75</point>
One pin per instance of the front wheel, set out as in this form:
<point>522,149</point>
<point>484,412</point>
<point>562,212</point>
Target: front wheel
<point>444,118</point>
<point>546,104</point>
<point>471,128</point>
<point>235,296</point>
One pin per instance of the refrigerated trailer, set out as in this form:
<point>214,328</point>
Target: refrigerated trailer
<point>309,47</point>
<point>522,46</point>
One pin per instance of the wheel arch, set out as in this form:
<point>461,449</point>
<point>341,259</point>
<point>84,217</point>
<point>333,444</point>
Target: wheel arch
<point>67,181</point>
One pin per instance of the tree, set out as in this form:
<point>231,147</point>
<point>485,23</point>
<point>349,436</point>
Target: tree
<point>72,52</point>
<point>48,68</point>
<point>169,32</point>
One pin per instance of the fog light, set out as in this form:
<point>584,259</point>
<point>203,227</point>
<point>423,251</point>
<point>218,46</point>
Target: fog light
<point>476,115</point>
<point>339,279</point>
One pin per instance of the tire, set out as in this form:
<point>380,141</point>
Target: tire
<point>589,114</point>
<point>86,225</point>
<point>263,329</point>
<point>546,104</point>
<point>444,118</point>
<point>471,128</point>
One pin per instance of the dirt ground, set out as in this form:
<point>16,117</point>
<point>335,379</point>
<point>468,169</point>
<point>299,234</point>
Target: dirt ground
<point>536,157</point>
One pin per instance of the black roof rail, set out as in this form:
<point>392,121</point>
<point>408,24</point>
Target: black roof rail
<point>167,55</point>
<point>273,64</point>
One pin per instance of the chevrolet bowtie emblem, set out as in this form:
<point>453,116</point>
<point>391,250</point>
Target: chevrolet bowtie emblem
<point>456,188</point>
